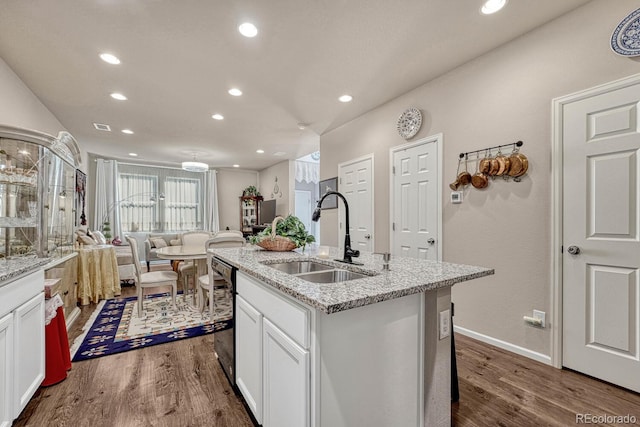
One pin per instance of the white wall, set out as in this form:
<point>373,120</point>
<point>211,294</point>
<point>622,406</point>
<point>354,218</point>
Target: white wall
<point>500,97</point>
<point>267,182</point>
<point>231,183</point>
<point>21,108</point>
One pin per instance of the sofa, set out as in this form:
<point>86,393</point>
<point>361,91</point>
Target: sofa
<point>150,247</point>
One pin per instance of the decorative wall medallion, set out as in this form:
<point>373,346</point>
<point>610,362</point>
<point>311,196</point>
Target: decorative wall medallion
<point>625,39</point>
<point>409,122</point>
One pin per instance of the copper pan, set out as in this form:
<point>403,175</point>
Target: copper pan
<point>463,178</point>
<point>504,164</point>
<point>479,180</point>
<point>519,164</point>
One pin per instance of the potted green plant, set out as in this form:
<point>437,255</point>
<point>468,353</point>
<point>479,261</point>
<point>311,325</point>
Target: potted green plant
<point>106,230</point>
<point>251,191</point>
<point>290,228</point>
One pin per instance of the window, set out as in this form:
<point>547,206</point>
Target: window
<point>183,206</point>
<point>155,199</point>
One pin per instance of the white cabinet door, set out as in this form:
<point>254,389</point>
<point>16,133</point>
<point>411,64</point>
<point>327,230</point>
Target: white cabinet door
<point>6,362</point>
<point>249,355</point>
<point>286,380</point>
<point>29,351</point>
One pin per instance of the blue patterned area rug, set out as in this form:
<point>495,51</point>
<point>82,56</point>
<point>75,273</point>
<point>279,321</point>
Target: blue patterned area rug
<point>116,328</point>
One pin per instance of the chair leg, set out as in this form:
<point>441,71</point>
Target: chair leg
<point>139,301</point>
<point>174,288</point>
<point>200,298</point>
<point>211,292</point>
<point>148,266</point>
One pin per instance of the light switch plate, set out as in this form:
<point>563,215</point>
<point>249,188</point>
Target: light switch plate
<point>445,324</point>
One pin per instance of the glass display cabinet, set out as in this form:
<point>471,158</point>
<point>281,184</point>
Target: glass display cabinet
<point>37,190</point>
<point>249,213</point>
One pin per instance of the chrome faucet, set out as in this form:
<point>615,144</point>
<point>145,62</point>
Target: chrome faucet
<point>348,252</point>
<point>386,257</point>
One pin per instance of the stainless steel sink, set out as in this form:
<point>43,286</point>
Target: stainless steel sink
<point>331,276</point>
<point>297,267</point>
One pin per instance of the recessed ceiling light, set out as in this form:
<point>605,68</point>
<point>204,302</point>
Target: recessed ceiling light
<point>118,96</point>
<point>235,92</point>
<point>345,98</point>
<point>133,154</point>
<point>236,166</point>
<point>247,29</point>
<point>23,152</point>
<point>302,126</point>
<point>109,58</point>
<point>127,131</point>
<point>259,151</point>
<point>217,116</point>
<point>492,6</point>
<point>279,154</point>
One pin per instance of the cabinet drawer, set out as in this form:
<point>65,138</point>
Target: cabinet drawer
<point>291,317</point>
<point>19,291</point>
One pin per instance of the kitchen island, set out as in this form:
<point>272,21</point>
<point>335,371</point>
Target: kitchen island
<point>367,351</point>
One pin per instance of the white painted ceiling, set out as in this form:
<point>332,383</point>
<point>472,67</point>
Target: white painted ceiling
<point>179,58</point>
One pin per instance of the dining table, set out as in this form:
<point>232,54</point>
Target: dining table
<point>196,254</point>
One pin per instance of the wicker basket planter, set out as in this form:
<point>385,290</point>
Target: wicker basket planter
<point>276,243</point>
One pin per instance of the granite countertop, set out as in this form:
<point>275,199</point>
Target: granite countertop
<point>406,276</point>
<point>13,268</point>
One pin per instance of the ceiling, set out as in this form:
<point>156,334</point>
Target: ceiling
<point>179,59</point>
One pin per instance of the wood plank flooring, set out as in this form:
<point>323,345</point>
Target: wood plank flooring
<point>182,384</point>
<point>500,388</point>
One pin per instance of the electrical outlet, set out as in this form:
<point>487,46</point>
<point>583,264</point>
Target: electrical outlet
<point>540,315</point>
<point>445,324</point>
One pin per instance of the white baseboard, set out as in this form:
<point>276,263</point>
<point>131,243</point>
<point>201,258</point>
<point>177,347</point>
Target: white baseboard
<point>72,317</point>
<point>543,358</point>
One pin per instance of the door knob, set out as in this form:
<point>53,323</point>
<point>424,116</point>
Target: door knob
<point>367,236</point>
<point>431,241</point>
<point>573,250</point>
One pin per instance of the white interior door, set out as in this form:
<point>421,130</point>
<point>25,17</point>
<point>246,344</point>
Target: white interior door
<point>303,208</point>
<point>601,240</point>
<point>356,184</point>
<point>415,207</point>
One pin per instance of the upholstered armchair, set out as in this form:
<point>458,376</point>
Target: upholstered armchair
<point>155,241</point>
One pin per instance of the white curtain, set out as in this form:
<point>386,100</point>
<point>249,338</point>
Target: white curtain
<point>212,219</point>
<point>307,172</point>
<point>106,192</point>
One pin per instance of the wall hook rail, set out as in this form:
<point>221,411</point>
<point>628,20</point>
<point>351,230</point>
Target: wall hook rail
<point>512,144</point>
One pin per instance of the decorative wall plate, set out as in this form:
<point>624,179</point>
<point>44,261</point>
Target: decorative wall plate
<point>409,122</point>
<point>625,39</point>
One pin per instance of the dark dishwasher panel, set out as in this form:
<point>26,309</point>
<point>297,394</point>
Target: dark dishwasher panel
<point>224,343</point>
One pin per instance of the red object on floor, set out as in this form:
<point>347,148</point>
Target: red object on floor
<point>57,355</point>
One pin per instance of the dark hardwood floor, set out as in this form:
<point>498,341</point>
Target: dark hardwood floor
<point>500,388</point>
<point>182,384</point>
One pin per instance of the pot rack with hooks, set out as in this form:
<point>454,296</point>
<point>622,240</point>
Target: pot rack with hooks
<point>516,145</point>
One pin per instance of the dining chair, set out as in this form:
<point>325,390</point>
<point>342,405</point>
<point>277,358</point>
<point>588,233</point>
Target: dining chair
<point>151,279</point>
<point>186,269</point>
<point>212,280</point>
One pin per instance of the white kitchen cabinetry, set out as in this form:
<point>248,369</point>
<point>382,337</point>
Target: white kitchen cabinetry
<point>29,350</point>
<point>378,365</point>
<point>249,355</point>
<point>286,379</point>
<point>6,362</point>
<point>272,357</point>
<point>21,343</point>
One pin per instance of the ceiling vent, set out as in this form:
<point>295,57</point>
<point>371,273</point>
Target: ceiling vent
<point>100,126</point>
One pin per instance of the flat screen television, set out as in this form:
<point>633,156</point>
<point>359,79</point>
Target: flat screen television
<point>267,211</point>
